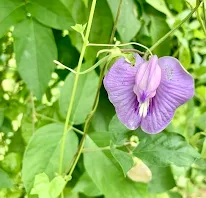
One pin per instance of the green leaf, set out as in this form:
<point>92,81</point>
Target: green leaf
<point>162,179</point>
<point>124,159</point>
<point>41,185</point>
<point>84,98</point>
<point>160,5</point>
<point>12,12</point>
<point>43,153</point>
<point>174,195</point>
<point>34,57</point>
<point>158,29</point>
<point>86,186</point>
<point>56,186</point>
<point>184,55</point>
<point>51,13</point>
<point>107,176</point>
<point>166,148</point>
<point>128,24</point>
<point>5,181</point>
<point>119,133</point>
<point>12,162</point>
<point>200,123</point>
<point>176,5</point>
<point>102,116</point>
<point>46,189</point>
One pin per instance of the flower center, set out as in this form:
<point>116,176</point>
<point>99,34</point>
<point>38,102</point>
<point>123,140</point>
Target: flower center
<point>143,108</point>
<point>147,80</point>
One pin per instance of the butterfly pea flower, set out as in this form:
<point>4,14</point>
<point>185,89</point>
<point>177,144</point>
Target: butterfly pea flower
<point>147,94</point>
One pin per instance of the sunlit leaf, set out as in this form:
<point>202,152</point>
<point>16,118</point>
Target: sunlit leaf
<point>43,153</point>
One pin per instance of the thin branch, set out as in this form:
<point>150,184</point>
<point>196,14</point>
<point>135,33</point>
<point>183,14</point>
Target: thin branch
<point>132,50</point>
<point>178,26</point>
<point>47,118</point>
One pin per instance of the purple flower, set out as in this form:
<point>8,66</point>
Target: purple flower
<point>148,93</point>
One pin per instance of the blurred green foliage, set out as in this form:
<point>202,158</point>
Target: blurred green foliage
<point>34,96</point>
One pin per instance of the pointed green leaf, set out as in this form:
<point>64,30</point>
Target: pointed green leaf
<point>43,153</point>
<point>35,51</point>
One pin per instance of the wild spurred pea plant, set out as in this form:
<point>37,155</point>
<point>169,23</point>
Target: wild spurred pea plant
<point>113,107</point>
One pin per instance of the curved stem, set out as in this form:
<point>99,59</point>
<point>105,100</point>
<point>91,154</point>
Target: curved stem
<point>76,83</point>
<point>132,50</point>
<point>115,23</point>
<point>179,25</point>
<point>119,45</point>
<point>83,72</point>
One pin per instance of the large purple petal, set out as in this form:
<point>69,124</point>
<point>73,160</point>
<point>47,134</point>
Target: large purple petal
<point>176,87</point>
<point>119,83</point>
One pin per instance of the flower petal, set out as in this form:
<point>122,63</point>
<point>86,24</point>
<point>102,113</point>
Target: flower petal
<point>176,87</point>
<point>119,83</point>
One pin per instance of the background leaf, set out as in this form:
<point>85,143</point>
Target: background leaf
<point>162,179</point>
<point>84,97</point>
<point>128,23</point>
<point>5,181</point>
<point>159,5</point>
<point>158,29</point>
<point>34,57</point>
